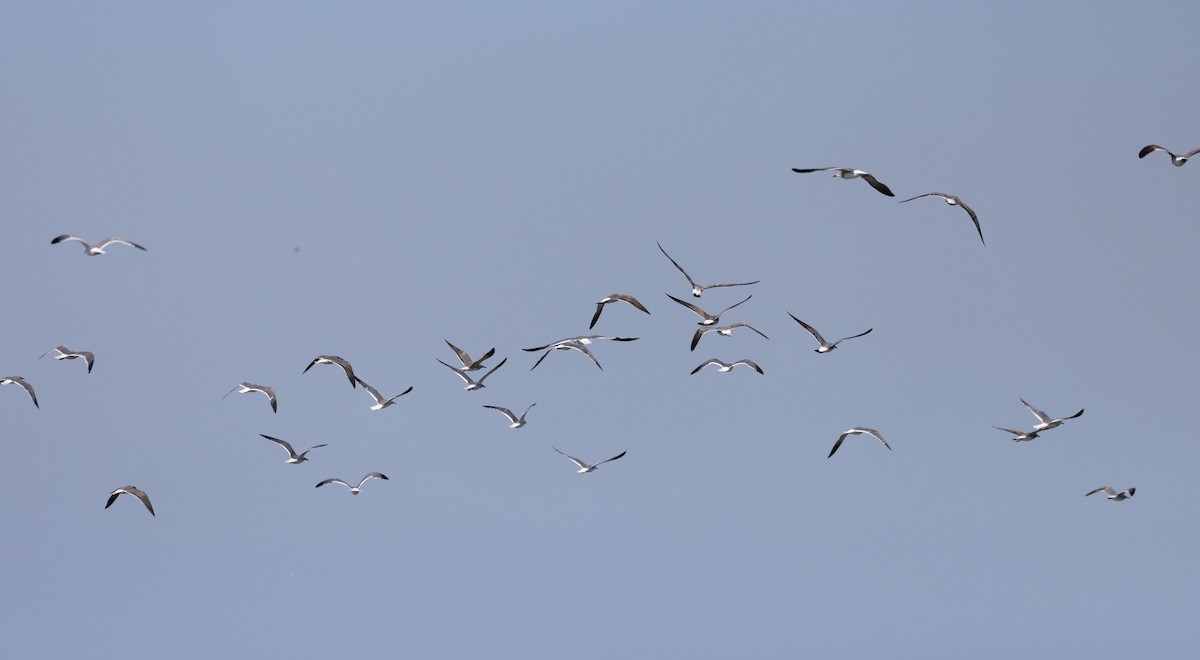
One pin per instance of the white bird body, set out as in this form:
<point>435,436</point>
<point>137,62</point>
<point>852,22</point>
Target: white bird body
<point>380,402</point>
<point>17,380</point>
<point>473,384</point>
<point>824,346</point>
<point>584,468</point>
<point>1177,161</point>
<point>698,289</point>
<point>705,317</point>
<point>514,421</point>
<point>354,490</point>
<point>1113,494</point>
<point>93,250</point>
<point>611,298</point>
<point>293,457</point>
<point>1046,422</point>
<point>467,362</point>
<point>725,331</point>
<point>725,367</point>
<point>858,430</point>
<point>953,201</point>
<point>247,387</point>
<point>130,490</point>
<point>333,359</point>
<point>849,173</point>
<point>65,353</point>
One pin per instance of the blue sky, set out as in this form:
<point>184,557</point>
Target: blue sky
<point>369,180</point>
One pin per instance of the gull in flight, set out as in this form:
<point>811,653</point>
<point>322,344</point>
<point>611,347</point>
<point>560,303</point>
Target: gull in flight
<point>473,384</point>
<point>724,367</point>
<point>130,490</point>
<point>515,422</point>
<point>952,201</point>
<point>23,383</point>
<point>726,330</point>
<point>467,362</point>
<point>380,402</point>
<point>568,346</point>
<point>705,317</point>
<point>65,353</point>
<point>333,359</point>
<point>858,430</point>
<point>1046,422</point>
<point>1019,436</point>
<point>584,468</point>
<point>251,387</point>
<point>1177,161</point>
<point>847,173</point>
<point>615,297</point>
<point>1112,494</point>
<point>293,457</point>
<point>825,346</point>
<point>354,489</point>
<point>584,340</point>
<point>93,250</point>
<point>698,289</point>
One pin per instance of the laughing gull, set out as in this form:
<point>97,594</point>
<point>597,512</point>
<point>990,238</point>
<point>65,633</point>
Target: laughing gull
<point>584,468</point>
<point>130,490</point>
<point>467,362</point>
<point>21,381</point>
<point>615,297</point>
<point>293,457</point>
<point>380,402</point>
<point>333,359</point>
<point>354,489</point>
<point>825,346</point>
<point>514,421</point>
<point>724,367</point>
<point>1177,161</point>
<point>1046,422</point>
<point>93,250</point>
<point>65,353</point>
<point>952,201</point>
<point>584,340</point>
<point>251,387</point>
<point>705,317</point>
<point>568,346</point>
<point>698,289</point>
<point>1114,495</point>
<point>725,330</point>
<point>473,384</point>
<point>847,173</point>
<point>858,430</point>
<point>1019,436</point>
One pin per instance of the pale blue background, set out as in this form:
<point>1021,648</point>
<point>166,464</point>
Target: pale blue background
<point>368,179</point>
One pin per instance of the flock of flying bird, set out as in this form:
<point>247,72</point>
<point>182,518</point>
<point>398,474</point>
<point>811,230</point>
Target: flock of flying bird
<point>708,323</point>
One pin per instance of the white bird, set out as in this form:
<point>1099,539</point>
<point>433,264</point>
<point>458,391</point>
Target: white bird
<point>1046,422</point>
<point>953,201</point>
<point>582,339</point>
<point>333,359</point>
<point>1019,436</point>
<point>705,317</point>
<point>698,289</point>
<point>354,489</point>
<point>514,421</point>
<point>858,430</point>
<point>1114,495</point>
<point>568,346</point>
<point>7,380</point>
<point>293,457</point>
<point>93,250</point>
<point>65,353</point>
<point>724,367</point>
<point>848,173</point>
<point>615,297</point>
<point>380,402</point>
<point>130,490</point>
<point>1177,161</point>
<point>467,362</point>
<point>247,387</point>
<point>584,468</point>
<point>825,346</point>
<point>473,384</point>
<point>725,330</point>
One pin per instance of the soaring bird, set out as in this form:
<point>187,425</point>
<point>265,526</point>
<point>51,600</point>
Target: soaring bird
<point>584,468</point>
<point>65,353</point>
<point>1046,422</point>
<point>130,490</point>
<point>247,387</point>
<point>824,346</point>
<point>568,346</point>
<point>1114,495</point>
<point>514,421</point>
<point>467,362</point>
<point>698,289</point>
<point>293,457</point>
<point>354,489</point>
<point>333,359</point>
<point>725,367</point>
<point>847,173</point>
<point>93,250</point>
<point>858,430</point>
<point>725,330</point>
<point>1019,436</point>
<point>1177,161</point>
<point>473,384</point>
<point>380,402</point>
<point>17,380</point>
<point>614,297</point>
<point>584,340</point>
<point>705,317</point>
<point>952,201</point>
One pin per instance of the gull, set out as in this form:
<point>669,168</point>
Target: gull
<point>615,297</point>
<point>293,457</point>
<point>825,346</point>
<point>1177,161</point>
<point>473,384</point>
<point>1046,422</point>
<point>380,402</point>
<point>724,367</point>
<point>847,173</point>
<point>726,330</point>
<point>354,489</point>
<point>467,362</point>
<point>1020,436</point>
<point>65,353</point>
<point>952,201</point>
<point>130,490</point>
<point>858,430</point>
<point>584,340</point>
<point>705,317</point>
<point>333,359</point>
<point>584,468</point>
<point>1112,494</point>
<point>516,422</point>
<point>23,383</point>
<point>93,250</point>
<point>567,346</point>
<point>698,289</point>
<point>251,387</point>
